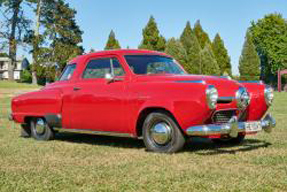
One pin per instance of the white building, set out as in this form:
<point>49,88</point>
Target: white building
<point>4,61</point>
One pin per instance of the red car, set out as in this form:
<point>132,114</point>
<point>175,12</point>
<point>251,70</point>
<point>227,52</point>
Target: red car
<point>144,94</point>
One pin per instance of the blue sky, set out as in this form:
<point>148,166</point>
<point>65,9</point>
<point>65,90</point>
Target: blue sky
<point>128,17</point>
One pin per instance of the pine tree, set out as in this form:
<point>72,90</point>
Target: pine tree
<point>194,55</point>
<point>175,48</point>
<point>201,35</point>
<point>152,39</point>
<point>185,37</point>
<point>249,62</point>
<point>192,48</point>
<point>209,64</point>
<point>112,42</point>
<point>221,55</point>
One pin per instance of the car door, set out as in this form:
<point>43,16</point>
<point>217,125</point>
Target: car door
<point>98,104</point>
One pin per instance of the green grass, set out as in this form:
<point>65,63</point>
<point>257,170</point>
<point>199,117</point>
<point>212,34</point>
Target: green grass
<point>95,163</point>
<point>14,85</point>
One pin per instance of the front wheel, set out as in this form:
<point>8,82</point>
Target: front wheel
<point>40,130</point>
<point>162,134</point>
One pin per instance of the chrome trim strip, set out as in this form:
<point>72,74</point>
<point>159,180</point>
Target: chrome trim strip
<point>86,131</point>
<point>225,77</point>
<point>192,81</point>
<point>258,82</point>
<point>232,128</point>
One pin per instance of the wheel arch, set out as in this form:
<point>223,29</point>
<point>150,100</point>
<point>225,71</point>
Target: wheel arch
<point>146,111</point>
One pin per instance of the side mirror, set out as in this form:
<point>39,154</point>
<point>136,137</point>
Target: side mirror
<point>111,78</point>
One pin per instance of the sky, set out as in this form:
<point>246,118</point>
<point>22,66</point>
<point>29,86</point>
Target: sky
<point>127,18</point>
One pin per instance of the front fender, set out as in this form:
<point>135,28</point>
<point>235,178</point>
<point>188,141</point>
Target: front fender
<point>185,101</point>
<point>257,107</point>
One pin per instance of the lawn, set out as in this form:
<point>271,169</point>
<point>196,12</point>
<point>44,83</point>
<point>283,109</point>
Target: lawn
<point>15,85</point>
<point>74,162</point>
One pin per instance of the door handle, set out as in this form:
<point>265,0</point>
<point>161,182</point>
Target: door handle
<point>76,88</point>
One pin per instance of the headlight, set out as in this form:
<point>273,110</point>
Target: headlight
<point>269,95</point>
<point>243,98</point>
<point>211,96</point>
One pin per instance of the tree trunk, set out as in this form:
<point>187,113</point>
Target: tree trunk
<point>36,43</point>
<point>12,40</point>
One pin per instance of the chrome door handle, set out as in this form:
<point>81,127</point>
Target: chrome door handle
<point>77,88</point>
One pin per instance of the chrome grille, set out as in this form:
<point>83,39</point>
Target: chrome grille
<point>223,116</point>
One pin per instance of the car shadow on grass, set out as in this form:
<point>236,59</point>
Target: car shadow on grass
<point>203,146</point>
<point>100,140</point>
<point>199,146</point>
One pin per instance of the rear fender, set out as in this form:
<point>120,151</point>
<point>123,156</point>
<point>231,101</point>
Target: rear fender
<point>37,104</point>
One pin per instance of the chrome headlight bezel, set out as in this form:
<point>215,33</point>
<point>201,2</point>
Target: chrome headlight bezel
<point>211,96</point>
<point>268,95</point>
<point>242,98</point>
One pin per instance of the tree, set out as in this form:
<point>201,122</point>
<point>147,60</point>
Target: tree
<point>112,42</point>
<point>152,39</point>
<point>92,50</point>
<point>193,50</point>
<point>36,42</point>
<point>209,64</point>
<point>269,36</point>
<point>175,48</point>
<point>249,62</point>
<point>15,23</point>
<point>185,37</point>
<point>201,35</point>
<point>58,41</point>
<point>63,32</point>
<point>221,55</point>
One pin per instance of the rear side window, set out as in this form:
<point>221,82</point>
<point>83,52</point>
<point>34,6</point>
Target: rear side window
<point>68,72</point>
<point>98,68</point>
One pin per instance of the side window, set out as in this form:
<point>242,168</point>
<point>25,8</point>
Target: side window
<point>99,67</point>
<point>118,70</point>
<point>68,72</point>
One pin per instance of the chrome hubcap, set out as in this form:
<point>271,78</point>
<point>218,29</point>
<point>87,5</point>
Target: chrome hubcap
<point>40,126</point>
<point>161,133</point>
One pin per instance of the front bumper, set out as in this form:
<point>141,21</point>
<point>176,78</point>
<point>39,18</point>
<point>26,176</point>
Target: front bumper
<point>233,127</point>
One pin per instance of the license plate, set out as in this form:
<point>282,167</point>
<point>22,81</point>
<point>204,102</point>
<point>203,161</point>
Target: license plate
<point>253,126</point>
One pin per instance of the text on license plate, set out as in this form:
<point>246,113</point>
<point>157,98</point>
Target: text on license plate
<point>253,126</point>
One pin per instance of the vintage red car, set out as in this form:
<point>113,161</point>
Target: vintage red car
<point>144,94</point>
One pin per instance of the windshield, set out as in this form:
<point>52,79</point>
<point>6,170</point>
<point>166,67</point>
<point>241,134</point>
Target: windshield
<point>152,64</point>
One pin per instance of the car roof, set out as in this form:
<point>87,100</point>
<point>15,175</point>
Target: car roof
<point>118,52</point>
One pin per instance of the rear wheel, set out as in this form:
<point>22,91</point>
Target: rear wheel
<point>40,130</point>
<point>229,140</point>
<point>162,134</point>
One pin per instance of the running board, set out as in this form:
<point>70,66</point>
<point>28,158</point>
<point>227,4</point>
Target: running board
<point>92,132</point>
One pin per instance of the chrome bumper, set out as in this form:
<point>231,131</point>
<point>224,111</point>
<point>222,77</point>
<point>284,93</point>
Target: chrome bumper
<point>232,128</point>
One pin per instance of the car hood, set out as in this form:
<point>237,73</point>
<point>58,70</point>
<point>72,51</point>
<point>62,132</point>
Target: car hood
<point>225,86</point>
